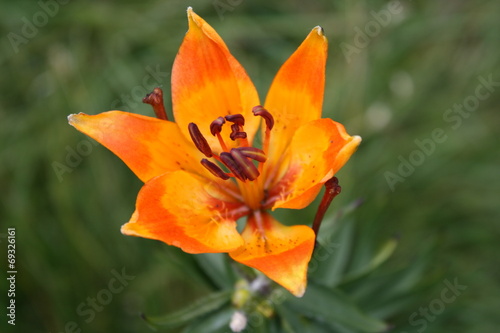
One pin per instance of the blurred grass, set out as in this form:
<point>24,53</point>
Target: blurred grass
<point>394,91</point>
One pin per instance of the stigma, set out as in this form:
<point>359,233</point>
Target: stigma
<point>244,162</point>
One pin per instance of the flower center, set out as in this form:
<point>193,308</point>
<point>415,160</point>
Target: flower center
<point>244,163</point>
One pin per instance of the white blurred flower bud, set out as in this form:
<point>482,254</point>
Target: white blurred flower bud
<point>238,321</point>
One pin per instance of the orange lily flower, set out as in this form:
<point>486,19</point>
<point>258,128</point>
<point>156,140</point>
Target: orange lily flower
<point>202,173</point>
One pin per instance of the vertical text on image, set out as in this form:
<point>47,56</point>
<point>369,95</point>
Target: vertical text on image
<point>11,275</point>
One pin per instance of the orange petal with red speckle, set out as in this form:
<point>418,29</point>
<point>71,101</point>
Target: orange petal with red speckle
<point>176,208</point>
<point>317,151</point>
<point>282,253</point>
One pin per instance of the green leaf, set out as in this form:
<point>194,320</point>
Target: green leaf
<point>257,323</point>
<point>274,326</point>
<point>197,309</point>
<point>213,322</point>
<point>331,222</point>
<point>334,308</point>
<point>382,291</point>
<point>290,321</point>
<point>182,263</point>
<point>216,267</point>
<point>331,257</point>
<point>379,258</point>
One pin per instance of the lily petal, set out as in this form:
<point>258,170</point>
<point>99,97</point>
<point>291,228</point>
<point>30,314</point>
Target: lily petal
<point>208,82</point>
<point>176,208</point>
<point>317,151</point>
<point>296,94</point>
<point>149,146</point>
<point>282,253</point>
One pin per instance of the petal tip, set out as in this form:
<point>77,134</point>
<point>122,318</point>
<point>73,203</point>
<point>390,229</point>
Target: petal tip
<point>319,30</point>
<point>74,118</point>
<point>192,17</point>
<point>190,13</point>
<point>124,229</point>
<point>299,292</point>
<point>317,35</point>
<point>356,139</point>
<point>127,229</point>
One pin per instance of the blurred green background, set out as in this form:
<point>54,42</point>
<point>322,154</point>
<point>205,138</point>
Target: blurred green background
<point>391,78</point>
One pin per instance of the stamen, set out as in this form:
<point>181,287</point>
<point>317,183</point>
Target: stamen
<point>155,99</point>
<point>237,131</point>
<point>233,166</point>
<point>214,169</point>
<point>216,129</point>
<point>268,117</point>
<point>199,140</point>
<point>253,153</point>
<point>236,134</point>
<point>236,118</point>
<point>332,189</point>
<point>216,125</point>
<point>246,166</point>
<point>222,143</point>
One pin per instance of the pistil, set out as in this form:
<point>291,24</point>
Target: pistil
<point>332,189</point>
<point>155,99</point>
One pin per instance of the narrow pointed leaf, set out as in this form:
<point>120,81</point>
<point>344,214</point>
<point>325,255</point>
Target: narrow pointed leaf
<point>258,325</point>
<point>333,307</point>
<point>293,323</point>
<point>199,308</point>
<point>335,250</point>
<point>379,258</point>
<point>382,286</point>
<point>217,268</point>
<point>332,223</point>
<point>184,263</point>
<point>290,321</point>
<point>214,322</point>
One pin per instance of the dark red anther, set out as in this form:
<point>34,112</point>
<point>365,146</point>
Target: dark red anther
<point>233,166</point>
<point>253,153</point>
<point>216,126</point>
<point>155,99</point>
<point>214,169</point>
<point>246,166</point>
<point>236,118</point>
<point>268,117</point>
<point>236,134</point>
<point>199,140</point>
